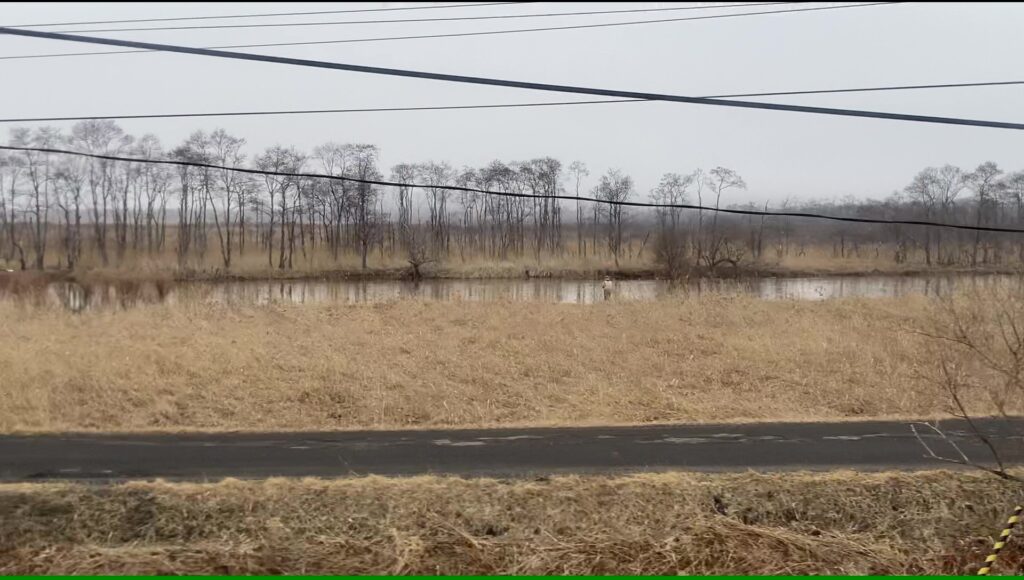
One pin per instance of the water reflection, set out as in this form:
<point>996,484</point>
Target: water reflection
<point>76,297</point>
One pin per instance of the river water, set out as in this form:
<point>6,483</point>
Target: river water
<point>77,298</point>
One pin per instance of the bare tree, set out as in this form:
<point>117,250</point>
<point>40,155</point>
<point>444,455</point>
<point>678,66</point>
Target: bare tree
<point>37,168</point>
<point>717,249</point>
<point>124,179</point>
<point>13,166</point>
<point>187,194</point>
<point>404,173</point>
<point>1013,195</point>
<point>226,151</point>
<point>578,170</point>
<point>951,181</point>
<point>70,183</point>
<point>924,190</point>
<point>156,185</point>
<point>417,250</point>
<point>614,187</point>
<point>334,159</point>
<point>438,177</point>
<point>700,180</point>
<point>670,248</point>
<point>470,218</point>
<point>281,160</point>
<point>978,345</point>
<point>105,138</point>
<point>363,166</point>
<point>542,177</point>
<point>984,182</point>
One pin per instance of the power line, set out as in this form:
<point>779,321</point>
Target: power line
<point>491,106</point>
<point>319,111</point>
<point>873,89</point>
<point>516,84</point>
<point>265,15</point>
<point>463,34</point>
<point>749,212</point>
<point>410,20</point>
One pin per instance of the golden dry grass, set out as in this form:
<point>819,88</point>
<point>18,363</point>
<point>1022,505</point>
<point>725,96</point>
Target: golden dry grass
<point>568,263</point>
<point>419,364</point>
<point>320,262</point>
<point>841,523</point>
<point>820,261</point>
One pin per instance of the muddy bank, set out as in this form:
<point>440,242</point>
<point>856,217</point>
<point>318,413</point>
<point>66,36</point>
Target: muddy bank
<point>30,278</point>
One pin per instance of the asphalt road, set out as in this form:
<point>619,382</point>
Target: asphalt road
<point>498,452</point>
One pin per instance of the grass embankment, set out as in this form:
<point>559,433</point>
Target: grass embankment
<point>423,364</point>
<point>140,267</point>
<point>842,523</point>
<point>320,265</point>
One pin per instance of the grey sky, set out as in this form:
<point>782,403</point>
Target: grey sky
<point>780,154</point>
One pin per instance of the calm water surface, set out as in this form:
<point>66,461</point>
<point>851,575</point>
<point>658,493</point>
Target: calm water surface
<point>77,298</point>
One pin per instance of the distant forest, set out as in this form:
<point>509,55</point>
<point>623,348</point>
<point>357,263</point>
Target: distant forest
<point>62,211</point>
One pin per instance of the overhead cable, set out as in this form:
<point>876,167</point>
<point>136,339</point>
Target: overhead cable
<point>489,106</point>
<point>421,20</point>
<point>460,34</point>
<point>465,79</point>
<point>263,15</point>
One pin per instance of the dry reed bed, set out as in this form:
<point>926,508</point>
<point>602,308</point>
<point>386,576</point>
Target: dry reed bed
<point>466,364</point>
<point>934,522</point>
<point>142,267</point>
<point>321,263</point>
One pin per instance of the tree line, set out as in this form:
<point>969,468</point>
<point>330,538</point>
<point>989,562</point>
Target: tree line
<point>67,212</point>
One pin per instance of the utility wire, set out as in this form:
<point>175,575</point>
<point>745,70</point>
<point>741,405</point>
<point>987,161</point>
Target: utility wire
<point>182,163</point>
<point>318,111</point>
<point>265,15</point>
<point>492,106</point>
<point>463,34</point>
<point>410,20</point>
<point>515,84</point>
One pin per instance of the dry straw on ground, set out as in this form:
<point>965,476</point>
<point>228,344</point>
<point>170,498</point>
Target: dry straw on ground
<point>937,522</point>
<point>420,364</point>
<point>567,263</point>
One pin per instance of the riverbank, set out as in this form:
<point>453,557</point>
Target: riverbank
<point>673,523</point>
<point>508,271</point>
<point>415,363</point>
<point>499,272</point>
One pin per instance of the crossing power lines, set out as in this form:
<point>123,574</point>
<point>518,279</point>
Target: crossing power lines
<point>466,34</point>
<point>265,14</point>
<point>422,20</point>
<point>494,105</point>
<point>465,79</point>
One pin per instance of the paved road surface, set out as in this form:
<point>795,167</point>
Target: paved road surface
<point>498,452</point>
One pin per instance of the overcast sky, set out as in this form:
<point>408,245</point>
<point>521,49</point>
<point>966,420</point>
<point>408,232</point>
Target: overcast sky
<point>780,154</point>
